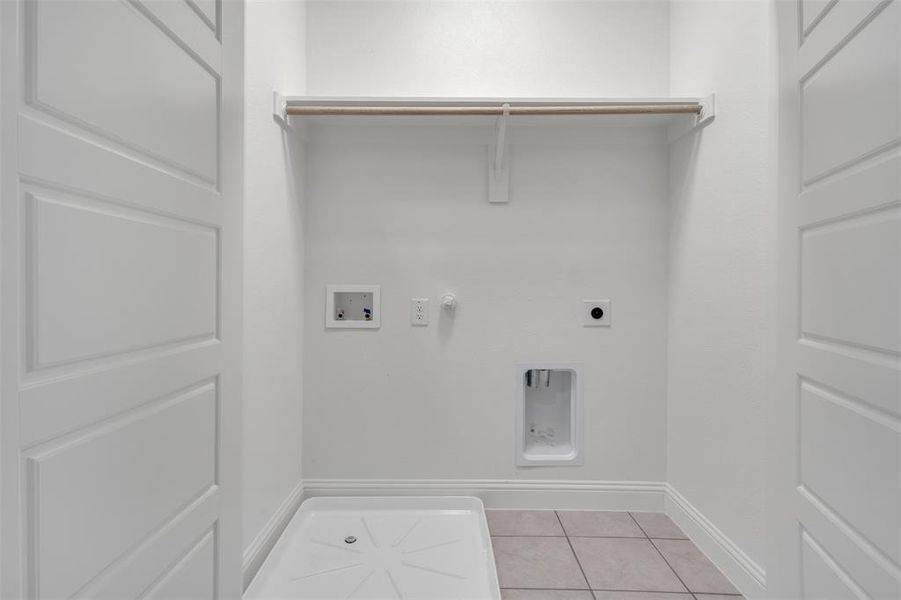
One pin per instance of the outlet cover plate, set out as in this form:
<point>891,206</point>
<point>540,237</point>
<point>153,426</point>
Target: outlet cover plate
<point>419,311</point>
<point>589,319</point>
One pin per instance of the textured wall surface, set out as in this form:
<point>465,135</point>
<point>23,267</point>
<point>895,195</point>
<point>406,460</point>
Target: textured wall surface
<point>584,221</point>
<point>273,254</point>
<point>722,269</point>
<point>528,48</point>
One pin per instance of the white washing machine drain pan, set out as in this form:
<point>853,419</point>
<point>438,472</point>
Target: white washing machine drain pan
<point>405,548</point>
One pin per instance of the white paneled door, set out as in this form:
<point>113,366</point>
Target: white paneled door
<point>835,419</point>
<point>120,299</point>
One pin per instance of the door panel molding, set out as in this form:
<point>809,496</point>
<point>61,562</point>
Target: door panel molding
<point>120,94</point>
<point>70,478</point>
<point>64,160</point>
<point>150,560</point>
<point>866,561</point>
<point>875,186</point>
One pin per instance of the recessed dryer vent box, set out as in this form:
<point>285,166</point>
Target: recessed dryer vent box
<point>353,306</point>
<point>548,414</point>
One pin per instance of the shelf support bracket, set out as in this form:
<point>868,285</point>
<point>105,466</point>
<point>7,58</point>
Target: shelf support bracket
<point>708,111</point>
<point>704,118</point>
<point>498,167</point>
<point>279,109</point>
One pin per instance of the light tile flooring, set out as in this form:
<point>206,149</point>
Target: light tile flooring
<point>591,555</point>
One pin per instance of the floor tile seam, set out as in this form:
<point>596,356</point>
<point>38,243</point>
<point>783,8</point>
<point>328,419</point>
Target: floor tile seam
<point>576,556</point>
<point>679,577</point>
<point>653,545</point>
<point>631,591</point>
<point>614,537</point>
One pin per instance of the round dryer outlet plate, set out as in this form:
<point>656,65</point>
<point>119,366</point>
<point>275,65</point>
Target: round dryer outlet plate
<point>596,313</point>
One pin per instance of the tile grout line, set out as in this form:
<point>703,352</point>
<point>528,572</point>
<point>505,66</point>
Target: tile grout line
<point>618,590</point>
<point>637,524</point>
<point>651,541</point>
<point>604,537</point>
<point>547,589</point>
<point>576,556</point>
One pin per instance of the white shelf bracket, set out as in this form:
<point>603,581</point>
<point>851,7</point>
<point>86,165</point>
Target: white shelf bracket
<point>279,109</point>
<point>498,167</point>
<point>708,111</point>
<point>704,118</point>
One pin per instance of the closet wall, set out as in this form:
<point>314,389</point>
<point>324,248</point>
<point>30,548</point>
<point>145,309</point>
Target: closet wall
<point>273,272</point>
<point>520,48</point>
<point>436,402</point>
<point>722,269</point>
<point>407,208</point>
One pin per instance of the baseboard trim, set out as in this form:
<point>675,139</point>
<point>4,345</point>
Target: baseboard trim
<point>262,544</point>
<point>745,574</point>
<point>508,493</point>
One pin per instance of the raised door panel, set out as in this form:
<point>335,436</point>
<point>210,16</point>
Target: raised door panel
<point>94,497</point>
<point>192,577</point>
<point>850,104</point>
<point>150,564</point>
<point>851,461</point>
<point>822,577</point>
<point>108,279</point>
<point>108,68</point>
<point>850,281</point>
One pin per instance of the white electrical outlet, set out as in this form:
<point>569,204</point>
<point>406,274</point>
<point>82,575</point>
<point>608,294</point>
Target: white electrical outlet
<point>596,313</point>
<point>419,311</point>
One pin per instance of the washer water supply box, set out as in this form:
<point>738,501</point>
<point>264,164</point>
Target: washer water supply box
<point>548,401</point>
<point>424,548</point>
<point>353,306</point>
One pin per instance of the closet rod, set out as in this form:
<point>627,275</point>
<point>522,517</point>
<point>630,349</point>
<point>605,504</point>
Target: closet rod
<point>548,109</point>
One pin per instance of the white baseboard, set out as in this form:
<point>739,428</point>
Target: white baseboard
<point>507,493</point>
<point>262,544</point>
<point>745,574</point>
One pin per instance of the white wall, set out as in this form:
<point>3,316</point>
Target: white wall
<point>722,269</point>
<point>273,254</point>
<point>436,402</point>
<point>585,221</point>
<point>485,48</point>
